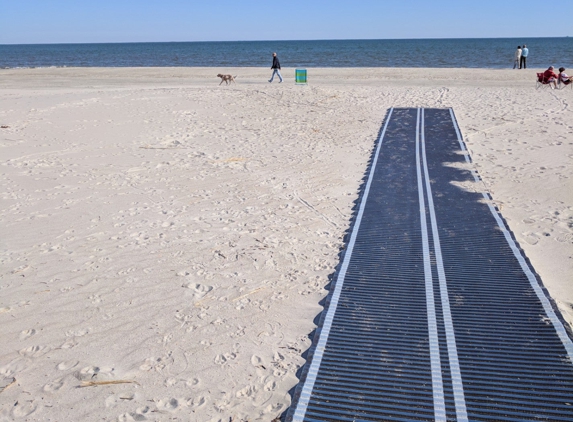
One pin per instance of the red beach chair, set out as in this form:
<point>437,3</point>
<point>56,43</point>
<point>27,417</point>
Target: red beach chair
<point>542,82</point>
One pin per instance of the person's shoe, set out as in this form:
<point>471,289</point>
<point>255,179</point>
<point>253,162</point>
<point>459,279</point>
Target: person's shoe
<point>270,81</point>
<point>280,82</point>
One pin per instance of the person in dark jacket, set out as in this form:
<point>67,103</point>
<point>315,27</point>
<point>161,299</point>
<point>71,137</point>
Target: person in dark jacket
<point>276,67</point>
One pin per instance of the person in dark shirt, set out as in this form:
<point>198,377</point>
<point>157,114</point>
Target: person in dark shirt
<point>276,67</point>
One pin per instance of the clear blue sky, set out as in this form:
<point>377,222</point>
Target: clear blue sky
<point>79,21</point>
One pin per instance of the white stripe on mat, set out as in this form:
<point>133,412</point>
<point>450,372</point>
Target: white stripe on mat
<point>437,382</point>
<point>457,385</point>
<point>559,328</point>
<point>306,391</point>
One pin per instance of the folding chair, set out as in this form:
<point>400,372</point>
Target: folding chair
<point>542,82</point>
<point>563,85</point>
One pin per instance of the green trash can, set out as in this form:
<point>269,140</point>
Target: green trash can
<point>300,76</point>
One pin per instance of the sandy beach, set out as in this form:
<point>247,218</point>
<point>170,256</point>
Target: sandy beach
<point>165,242</point>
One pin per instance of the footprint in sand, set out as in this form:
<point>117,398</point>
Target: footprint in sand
<point>257,362</point>
<point>274,408</point>
<point>64,366</point>
<point>27,333</point>
<point>140,414</point>
<point>224,358</point>
<point>206,343</point>
<point>34,351</point>
<point>198,290</point>
<point>278,296</point>
<point>192,382</point>
<point>77,333</point>
<point>531,238</point>
<point>95,299</point>
<point>279,372</point>
<point>270,386</point>
<point>92,372</point>
<point>565,238</point>
<point>169,405</point>
<point>10,370</point>
<point>157,364</point>
<point>198,402</point>
<point>115,399</point>
<point>111,401</point>
<point>23,409</point>
<point>246,392</point>
<point>69,344</point>
<point>53,386</point>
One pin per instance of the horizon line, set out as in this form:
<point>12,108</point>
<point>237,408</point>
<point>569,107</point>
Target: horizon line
<point>289,40</point>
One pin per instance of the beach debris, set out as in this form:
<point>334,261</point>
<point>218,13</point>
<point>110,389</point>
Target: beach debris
<point>6,382</point>
<point>4,127</point>
<point>110,382</point>
<point>248,294</point>
<point>172,147</point>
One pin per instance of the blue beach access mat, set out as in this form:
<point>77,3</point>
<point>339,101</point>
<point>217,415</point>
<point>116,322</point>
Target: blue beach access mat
<point>435,313</point>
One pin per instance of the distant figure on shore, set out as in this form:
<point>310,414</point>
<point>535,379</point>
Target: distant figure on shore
<point>524,54</point>
<point>550,77</point>
<point>276,67</point>
<point>517,57</point>
<point>563,78</point>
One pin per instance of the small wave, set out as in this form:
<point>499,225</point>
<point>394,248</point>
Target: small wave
<point>34,67</point>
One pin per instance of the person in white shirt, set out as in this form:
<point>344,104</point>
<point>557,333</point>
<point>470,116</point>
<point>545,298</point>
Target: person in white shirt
<point>517,57</point>
<point>563,78</point>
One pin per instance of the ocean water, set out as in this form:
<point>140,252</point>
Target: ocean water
<point>493,53</point>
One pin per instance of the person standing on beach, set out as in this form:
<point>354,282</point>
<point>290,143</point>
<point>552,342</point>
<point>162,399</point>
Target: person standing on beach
<point>517,57</point>
<point>524,54</point>
<point>276,67</point>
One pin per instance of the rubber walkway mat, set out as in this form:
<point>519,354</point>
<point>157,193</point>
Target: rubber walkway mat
<point>434,314</point>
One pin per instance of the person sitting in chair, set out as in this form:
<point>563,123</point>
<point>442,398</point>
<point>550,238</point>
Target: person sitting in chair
<point>563,78</point>
<point>549,77</point>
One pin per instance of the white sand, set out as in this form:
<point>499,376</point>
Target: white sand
<point>161,229</point>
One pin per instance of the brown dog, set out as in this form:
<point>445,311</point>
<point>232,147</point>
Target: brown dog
<point>226,78</point>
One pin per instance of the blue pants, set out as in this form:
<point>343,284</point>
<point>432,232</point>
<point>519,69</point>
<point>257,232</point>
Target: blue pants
<point>276,72</point>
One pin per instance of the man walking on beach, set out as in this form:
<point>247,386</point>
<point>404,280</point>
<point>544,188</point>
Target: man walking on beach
<point>276,68</point>
<point>524,53</point>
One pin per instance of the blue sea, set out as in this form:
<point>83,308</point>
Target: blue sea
<point>491,53</point>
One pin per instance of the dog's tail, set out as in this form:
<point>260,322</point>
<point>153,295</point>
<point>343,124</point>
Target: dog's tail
<point>235,77</point>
